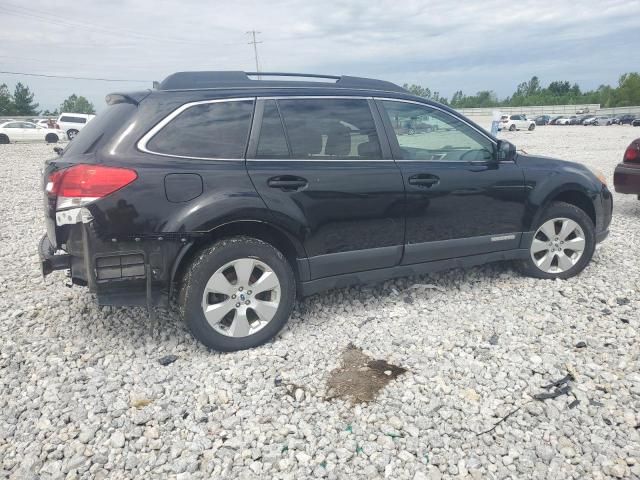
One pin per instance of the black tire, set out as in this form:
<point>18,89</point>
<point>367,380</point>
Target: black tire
<point>564,210</point>
<point>71,133</point>
<point>532,126</point>
<point>512,128</point>
<point>51,138</point>
<point>207,263</point>
<point>4,139</point>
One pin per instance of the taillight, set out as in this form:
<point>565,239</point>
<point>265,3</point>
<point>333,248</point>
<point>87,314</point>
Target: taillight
<point>78,185</point>
<point>632,153</point>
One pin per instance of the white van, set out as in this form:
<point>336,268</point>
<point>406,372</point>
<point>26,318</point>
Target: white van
<point>72,123</point>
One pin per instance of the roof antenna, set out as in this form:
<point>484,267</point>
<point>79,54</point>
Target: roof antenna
<point>255,49</point>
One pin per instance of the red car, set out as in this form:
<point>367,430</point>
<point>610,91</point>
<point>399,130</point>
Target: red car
<point>626,178</point>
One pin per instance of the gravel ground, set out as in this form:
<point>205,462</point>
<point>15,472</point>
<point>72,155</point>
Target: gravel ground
<point>82,394</point>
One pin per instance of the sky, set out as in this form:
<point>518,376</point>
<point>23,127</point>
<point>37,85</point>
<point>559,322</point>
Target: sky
<point>441,44</point>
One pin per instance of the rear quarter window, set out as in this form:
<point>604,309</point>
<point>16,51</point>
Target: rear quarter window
<point>208,130</point>
<point>101,128</point>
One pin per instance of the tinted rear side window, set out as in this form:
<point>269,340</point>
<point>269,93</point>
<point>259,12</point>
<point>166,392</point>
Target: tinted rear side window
<point>330,128</point>
<point>210,130</point>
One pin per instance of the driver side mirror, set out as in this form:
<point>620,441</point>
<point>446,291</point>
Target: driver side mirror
<point>506,151</point>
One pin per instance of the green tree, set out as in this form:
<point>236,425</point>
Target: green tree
<point>23,101</point>
<point>559,88</point>
<point>77,104</point>
<point>628,91</point>
<point>6,100</point>
<point>48,113</point>
<point>532,92</point>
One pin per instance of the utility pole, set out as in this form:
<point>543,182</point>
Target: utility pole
<point>255,48</point>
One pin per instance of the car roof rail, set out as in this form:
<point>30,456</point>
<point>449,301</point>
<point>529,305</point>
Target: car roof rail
<point>239,79</point>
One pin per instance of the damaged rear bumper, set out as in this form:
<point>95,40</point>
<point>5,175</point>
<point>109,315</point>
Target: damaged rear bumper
<point>49,260</point>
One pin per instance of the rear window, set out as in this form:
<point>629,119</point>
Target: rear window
<point>209,130</point>
<point>68,119</point>
<point>101,128</point>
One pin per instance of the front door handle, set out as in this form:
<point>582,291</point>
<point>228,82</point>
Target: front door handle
<point>424,180</point>
<point>288,183</point>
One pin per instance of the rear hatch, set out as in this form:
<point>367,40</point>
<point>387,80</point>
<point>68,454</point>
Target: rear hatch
<point>84,149</point>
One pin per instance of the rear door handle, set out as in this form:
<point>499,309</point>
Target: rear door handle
<point>424,180</point>
<point>287,183</point>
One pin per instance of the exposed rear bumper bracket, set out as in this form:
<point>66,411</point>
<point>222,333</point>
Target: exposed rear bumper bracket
<point>49,261</point>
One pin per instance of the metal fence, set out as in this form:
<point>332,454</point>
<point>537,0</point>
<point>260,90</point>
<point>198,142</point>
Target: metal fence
<point>483,112</point>
<point>27,117</point>
<point>535,110</point>
<point>620,110</point>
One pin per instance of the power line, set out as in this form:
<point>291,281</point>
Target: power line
<point>255,48</point>
<point>52,19</point>
<point>75,78</point>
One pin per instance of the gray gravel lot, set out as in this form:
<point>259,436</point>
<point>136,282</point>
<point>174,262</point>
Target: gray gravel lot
<point>82,394</point>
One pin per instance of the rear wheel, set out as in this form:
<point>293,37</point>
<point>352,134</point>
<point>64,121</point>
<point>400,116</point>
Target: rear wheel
<point>71,133</point>
<point>51,138</point>
<point>238,294</point>
<point>563,243</point>
<point>4,139</point>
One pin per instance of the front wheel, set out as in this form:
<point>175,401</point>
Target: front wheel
<point>51,138</point>
<point>532,126</point>
<point>563,243</point>
<point>512,128</point>
<point>4,139</point>
<point>71,134</point>
<point>238,294</point>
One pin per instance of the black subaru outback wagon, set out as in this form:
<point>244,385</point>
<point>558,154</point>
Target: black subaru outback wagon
<point>232,195</point>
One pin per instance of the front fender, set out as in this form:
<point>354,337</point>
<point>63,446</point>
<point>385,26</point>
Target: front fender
<point>547,179</point>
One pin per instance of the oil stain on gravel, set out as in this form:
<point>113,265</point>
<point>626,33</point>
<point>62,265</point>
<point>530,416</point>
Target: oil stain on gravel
<point>359,378</point>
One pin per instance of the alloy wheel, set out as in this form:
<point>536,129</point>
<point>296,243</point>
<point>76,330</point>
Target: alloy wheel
<point>241,297</point>
<point>557,245</point>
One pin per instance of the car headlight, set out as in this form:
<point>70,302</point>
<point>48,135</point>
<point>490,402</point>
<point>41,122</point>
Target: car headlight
<point>599,175</point>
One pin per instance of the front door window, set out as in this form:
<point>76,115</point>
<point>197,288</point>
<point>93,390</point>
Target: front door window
<point>425,133</point>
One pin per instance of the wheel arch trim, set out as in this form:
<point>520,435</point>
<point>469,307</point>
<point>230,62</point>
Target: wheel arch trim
<point>294,250</point>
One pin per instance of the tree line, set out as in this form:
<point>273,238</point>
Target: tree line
<point>558,92</point>
<point>21,103</point>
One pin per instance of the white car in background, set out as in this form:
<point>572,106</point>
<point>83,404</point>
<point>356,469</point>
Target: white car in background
<point>565,120</point>
<point>598,120</point>
<point>21,131</point>
<point>44,122</point>
<point>516,122</point>
<point>72,123</point>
